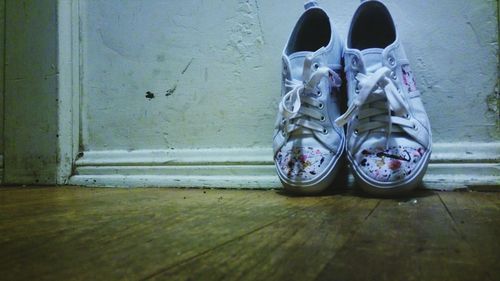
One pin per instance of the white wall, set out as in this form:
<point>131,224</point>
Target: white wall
<point>214,70</point>
<point>223,60</point>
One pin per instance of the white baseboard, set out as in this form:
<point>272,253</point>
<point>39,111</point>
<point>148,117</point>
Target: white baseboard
<point>452,166</point>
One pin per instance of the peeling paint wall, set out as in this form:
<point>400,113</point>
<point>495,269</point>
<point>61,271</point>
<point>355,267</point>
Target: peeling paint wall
<point>202,74</point>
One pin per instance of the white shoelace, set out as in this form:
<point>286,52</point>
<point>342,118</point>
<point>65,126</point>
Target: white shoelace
<point>376,114</point>
<point>296,116</point>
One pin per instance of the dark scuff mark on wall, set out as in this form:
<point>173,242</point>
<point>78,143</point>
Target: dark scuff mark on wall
<point>259,19</point>
<point>187,66</point>
<point>171,91</point>
<point>493,107</point>
<point>160,58</point>
<point>493,100</point>
<point>150,95</point>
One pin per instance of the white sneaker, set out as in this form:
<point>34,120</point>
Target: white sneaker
<point>388,133</point>
<point>307,144</point>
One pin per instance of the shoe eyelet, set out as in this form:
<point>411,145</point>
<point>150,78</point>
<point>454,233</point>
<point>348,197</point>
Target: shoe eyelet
<point>415,127</point>
<point>356,88</point>
<point>321,105</point>
<point>407,116</point>
<point>315,66</point>
<point>283,133</point>
<point>322,118</point>
<point>357,117</point>
<point>354,61</point>
<point>325,132</point>
<point>318,93</point>
<point>394,76</point>
<point>356,132</point>
<point>392,60</point>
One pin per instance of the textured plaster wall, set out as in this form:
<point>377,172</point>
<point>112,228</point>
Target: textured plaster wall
<point>201,74</point>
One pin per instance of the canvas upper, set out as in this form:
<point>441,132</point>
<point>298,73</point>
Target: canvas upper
<point>388,133</point>
<point>307,144</point>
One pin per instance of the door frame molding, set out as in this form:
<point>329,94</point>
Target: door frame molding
<point>69,87</point>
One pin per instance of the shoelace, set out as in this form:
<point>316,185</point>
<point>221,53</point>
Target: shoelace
<point>376,113</point>
<point>296,116</point>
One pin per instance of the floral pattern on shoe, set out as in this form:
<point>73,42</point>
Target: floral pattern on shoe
<point>408,78</point>
<point>302,163</point>
<point>389,165</point>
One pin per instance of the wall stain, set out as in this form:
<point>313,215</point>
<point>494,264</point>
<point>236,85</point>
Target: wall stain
<point>493,107</point>
<point>160,58</point>
<point>171,90</point>
<point>187,66</point>
<point>259,19</point>
<point>150,95</point>
<point>493,101</point>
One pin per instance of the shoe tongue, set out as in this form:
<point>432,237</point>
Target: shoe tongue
<point>297,64</point>
<point>372,58</point>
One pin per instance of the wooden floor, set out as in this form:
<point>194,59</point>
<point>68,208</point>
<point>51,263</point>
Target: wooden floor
<point>177,234</point>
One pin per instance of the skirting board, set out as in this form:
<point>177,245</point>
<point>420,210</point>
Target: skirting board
<point>455,165</point>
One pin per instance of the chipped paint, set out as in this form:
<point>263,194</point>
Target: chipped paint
<point>171,91</point>
<point>150,95</point>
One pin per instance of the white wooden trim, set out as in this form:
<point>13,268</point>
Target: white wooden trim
<point>452,166</point>
<point>466,152</point>
<point>68,87</point>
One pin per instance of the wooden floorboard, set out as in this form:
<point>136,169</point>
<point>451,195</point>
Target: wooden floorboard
<point>476,217</point>
<point>294,248</point>
<point>73,233</point>
<point>413,240</point>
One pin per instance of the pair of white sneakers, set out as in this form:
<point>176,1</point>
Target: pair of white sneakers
<point>388,137</point>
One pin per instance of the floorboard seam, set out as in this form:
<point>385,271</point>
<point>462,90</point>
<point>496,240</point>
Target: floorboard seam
<point>456,228</point>
<point>206,251</point>
<point>219,245</point>
<point>372,210</point>
<point>348,239</point>
<point>447,210</point>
